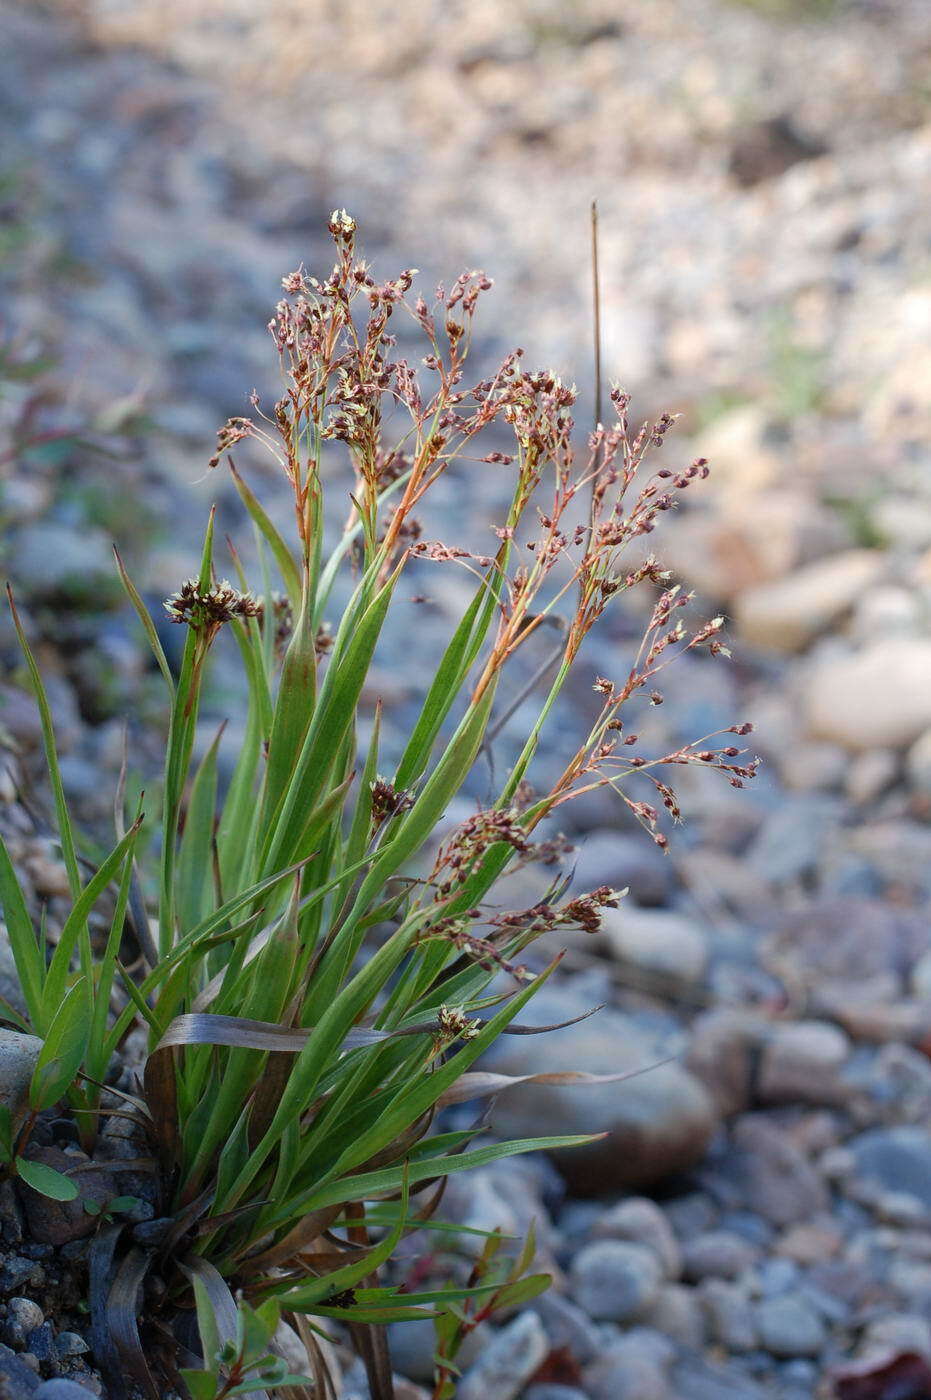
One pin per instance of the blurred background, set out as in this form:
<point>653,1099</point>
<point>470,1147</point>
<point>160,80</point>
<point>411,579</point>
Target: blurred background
<point>763,173</point>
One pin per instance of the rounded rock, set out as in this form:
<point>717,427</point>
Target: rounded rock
<point>18,1056</point>
<point>789,1326</point>
<point>614,1281</point>
<point>508,1362</point>
<point>640,1220</point>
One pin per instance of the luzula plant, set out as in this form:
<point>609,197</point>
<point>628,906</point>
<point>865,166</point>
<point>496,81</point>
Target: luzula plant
<point>325,974</point>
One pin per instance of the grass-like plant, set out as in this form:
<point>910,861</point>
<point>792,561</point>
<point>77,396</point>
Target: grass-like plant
<point>324,975</point>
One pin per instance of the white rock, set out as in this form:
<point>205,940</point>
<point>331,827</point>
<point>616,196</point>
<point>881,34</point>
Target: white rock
<point>879,697</point>
<point>869,774</point>
<point>786,614</point>
<point>508,1362</point>
<point>657,942</point>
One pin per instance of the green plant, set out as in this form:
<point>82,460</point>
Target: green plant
<point>323,977</point>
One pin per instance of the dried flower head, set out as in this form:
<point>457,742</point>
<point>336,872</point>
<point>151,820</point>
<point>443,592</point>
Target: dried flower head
<point>206,609</point>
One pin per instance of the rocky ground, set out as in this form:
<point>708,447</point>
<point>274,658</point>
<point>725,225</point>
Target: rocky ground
<point>758,1221</point>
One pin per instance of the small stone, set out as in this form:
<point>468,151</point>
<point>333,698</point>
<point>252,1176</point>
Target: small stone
<point>731,1319</point>
<point>879,697</point>
<point>553,1390</point>
<point>657,1123</point>
<point>18,1056</point>
<point>623,861</point>
<point>786,614</point>
<point>897,1332</point>
<point>641,1221</point>
<point>58,1222</point>
<point>677,1314</point>
<point>717,1254</point>
<point>41,1342</point>
<point>897,1159</point>
<point>921,977</point>
<point>918,764</point>
<point>869,774</point>
<point>413,1347</point>
<point>22,1317</point>
<point>808,1243</point>
<point>801,1061</point>
<point>17,1270</point>
<point>70,1344</point>
<point>17,1380</point>
<point>508,1362</point>
<point>789,1326</point>
<point>614,1281</point>
<point>657,943</point>
<point>778,1183</point>
<point>631,1368</point>
<point>61,1389</point>
<point>567,1327</point>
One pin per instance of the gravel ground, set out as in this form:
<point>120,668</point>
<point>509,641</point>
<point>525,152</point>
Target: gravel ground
<point>757,1223</point>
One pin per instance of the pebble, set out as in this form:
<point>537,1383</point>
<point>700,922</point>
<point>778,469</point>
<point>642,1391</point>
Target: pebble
<point>849,699</point>
<point>614,1281</point>
<point>18,1056</point>
<point>789,1327</point>
<point>717,1254</point>
<point>507,1363</point>
<point>641,1221</point>
<point>676,1312</point>
<point>801,1062</point>
<point>657,943</point>
<point>631,1368</point>
<point>567,1327</point>
<point>778,1182</point>
<point>623,861</point>
<point>898,1159</point>
<point>17,1380</point>
<point>786,614</point>
<point>731,1317</point>
<point>62,1389</point>
<point>22,1317</point>
<point>658,1123</point>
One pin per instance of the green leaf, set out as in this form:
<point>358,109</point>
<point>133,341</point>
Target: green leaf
<point>62,1054</point>
<point>46,1180</point>
<point>6,1133</point>
<point>206,1322</point>
<point>27,953</point>
<point>201,1384</point>
<point>194,877</point>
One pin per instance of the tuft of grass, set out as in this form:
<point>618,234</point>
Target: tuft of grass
<point>318,977</point>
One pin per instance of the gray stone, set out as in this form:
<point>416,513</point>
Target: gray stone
<point>695,1379</point>
<point>22,1317</point>
<point>801,1061</point>
<point>676,1313</point>
<point>657,943</point>
<point>59,1222</point>
<point>507,1363</point>
<point>657,1123</point>
<point>61,564</point>
<point>717,1254</point>
<point>567,1326</point>
<point>777,1181</point>
<point>18,1056</point>
<point>623,861</point>
<point>614,1281</point>
<point>731,1320</point>
<point>70,1344</point>
<point>789,1326</point>
<point>899,1159</point>
<point>631,1368</point>
<point>413,1347</point>
<point>785,614</point>
<point>641,1221</point>
<point>552,1390</point>
<point>17,1381</point>
<point>61,1389</point>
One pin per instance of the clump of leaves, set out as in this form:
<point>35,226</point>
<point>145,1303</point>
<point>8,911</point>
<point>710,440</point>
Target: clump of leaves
<point>322,978</point>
